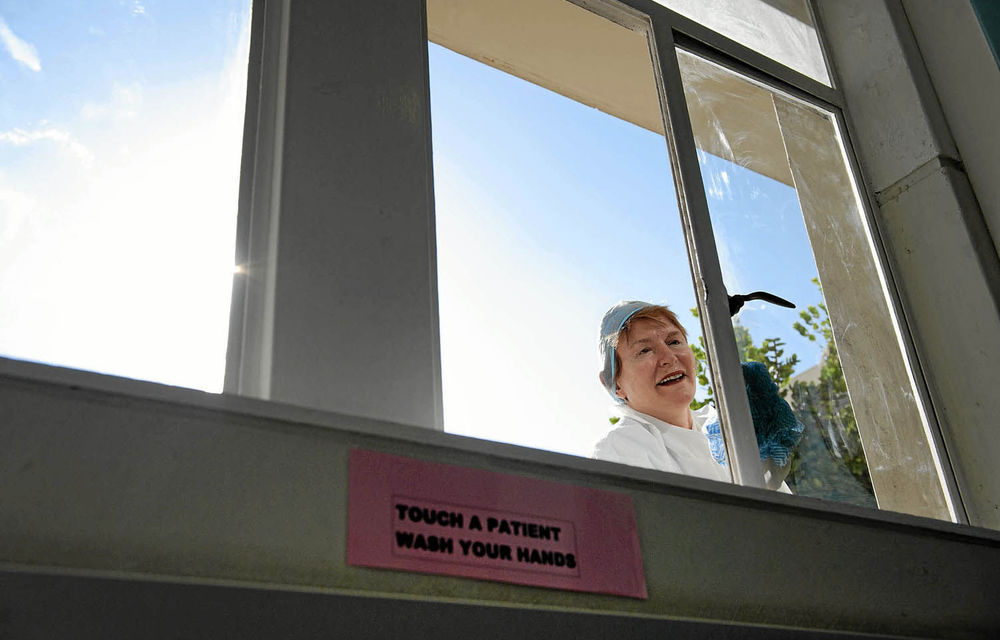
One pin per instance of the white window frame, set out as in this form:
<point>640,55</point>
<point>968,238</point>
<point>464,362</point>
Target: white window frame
<point>669,31</point>
<point>672,30</point>
<point>254,305</point>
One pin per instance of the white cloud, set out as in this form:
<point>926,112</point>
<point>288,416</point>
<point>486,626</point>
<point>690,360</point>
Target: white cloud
<point>15,208</point>
<point>136,249</point>
<point>23,52</point>
<point>135,7</point>
<point>123,105</point>
<point>20,137</point>
<point>731,273</point>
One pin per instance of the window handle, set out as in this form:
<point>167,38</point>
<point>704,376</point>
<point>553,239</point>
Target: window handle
<point>736,302</point>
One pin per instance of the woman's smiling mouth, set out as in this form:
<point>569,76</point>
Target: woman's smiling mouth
<point>671,378</point>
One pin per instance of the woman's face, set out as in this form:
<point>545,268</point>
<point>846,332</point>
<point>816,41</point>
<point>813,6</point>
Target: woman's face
<point>657,375</point>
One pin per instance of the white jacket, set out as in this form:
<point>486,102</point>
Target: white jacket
<point>644,441</point>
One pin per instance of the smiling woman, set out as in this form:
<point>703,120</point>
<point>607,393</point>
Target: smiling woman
<point>120,142</point>
<point>536,193</point>
<point>649,369</point>
<point>652,366</point>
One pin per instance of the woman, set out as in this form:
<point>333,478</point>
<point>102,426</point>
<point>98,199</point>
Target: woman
<point>649,369</point>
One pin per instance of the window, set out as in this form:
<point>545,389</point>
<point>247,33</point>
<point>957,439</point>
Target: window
<point>780,211</point>
<point>553,201</point>
<point>120,135</point>
<point>801,230</point>
<point>338,307</point>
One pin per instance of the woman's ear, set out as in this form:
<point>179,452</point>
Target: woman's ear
<point>620,393</point>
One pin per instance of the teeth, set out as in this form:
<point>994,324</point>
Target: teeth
<point>676,376</point>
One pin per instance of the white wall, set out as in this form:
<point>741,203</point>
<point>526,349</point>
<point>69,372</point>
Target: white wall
<point>967,85</point>
<point>341,292</point>
<point>190,486</point>
<point>195,487</point>
<point>945,265</point>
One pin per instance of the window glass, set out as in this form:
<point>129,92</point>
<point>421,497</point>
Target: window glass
<point>548,211</point>
<point>120,135</point>
<point>788,220</point>
<point>782,30</point>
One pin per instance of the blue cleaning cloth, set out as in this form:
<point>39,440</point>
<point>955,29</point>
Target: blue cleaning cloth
<point>777,428</point>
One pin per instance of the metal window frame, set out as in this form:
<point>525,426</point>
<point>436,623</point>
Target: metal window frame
<point>706,269</point>
<point>666,30</point>
<point>259,154</point>
<point>251,315</point>
<point>669,31</point>
<point>265,102</point>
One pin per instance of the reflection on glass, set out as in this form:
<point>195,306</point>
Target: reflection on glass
<point>120,137</point>
<point>548,211</point>
<point>787,219</point>
<point>782,30</point>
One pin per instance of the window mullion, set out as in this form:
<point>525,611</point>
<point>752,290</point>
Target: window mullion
<point>713,304</point>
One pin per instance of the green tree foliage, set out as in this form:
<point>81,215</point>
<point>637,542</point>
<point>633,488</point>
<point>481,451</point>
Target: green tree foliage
<point>701,360</point>
<point>829,462</point>
<point>771,352</point>
<point>824,407</point>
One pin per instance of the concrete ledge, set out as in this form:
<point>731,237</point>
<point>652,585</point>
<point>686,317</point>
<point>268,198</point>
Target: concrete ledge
<point>44,605</point>
<point>100,481</point>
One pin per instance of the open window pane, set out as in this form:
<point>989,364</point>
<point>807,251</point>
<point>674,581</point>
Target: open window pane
<point>120,135</point>
<point>554,200</point>
<point>788,220</point>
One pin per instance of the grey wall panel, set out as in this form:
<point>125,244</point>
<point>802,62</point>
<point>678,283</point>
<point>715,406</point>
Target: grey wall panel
<point>343,283</point>
<point>967,83</point>
<point>944,261</point>
<point>101,482</point>
<point>956,330</point>
<point>53,606</point>
<point>898,124</point>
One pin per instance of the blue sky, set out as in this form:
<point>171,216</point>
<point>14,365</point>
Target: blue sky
<point>763,242</point>
<point>120,133</point>
<point>548,212</point>
<point>86,48</point>
<point>120,129</point>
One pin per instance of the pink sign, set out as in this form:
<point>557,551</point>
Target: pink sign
<point>435,518</point>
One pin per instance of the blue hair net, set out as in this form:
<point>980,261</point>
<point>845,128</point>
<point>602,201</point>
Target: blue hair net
<point>611,326</point>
